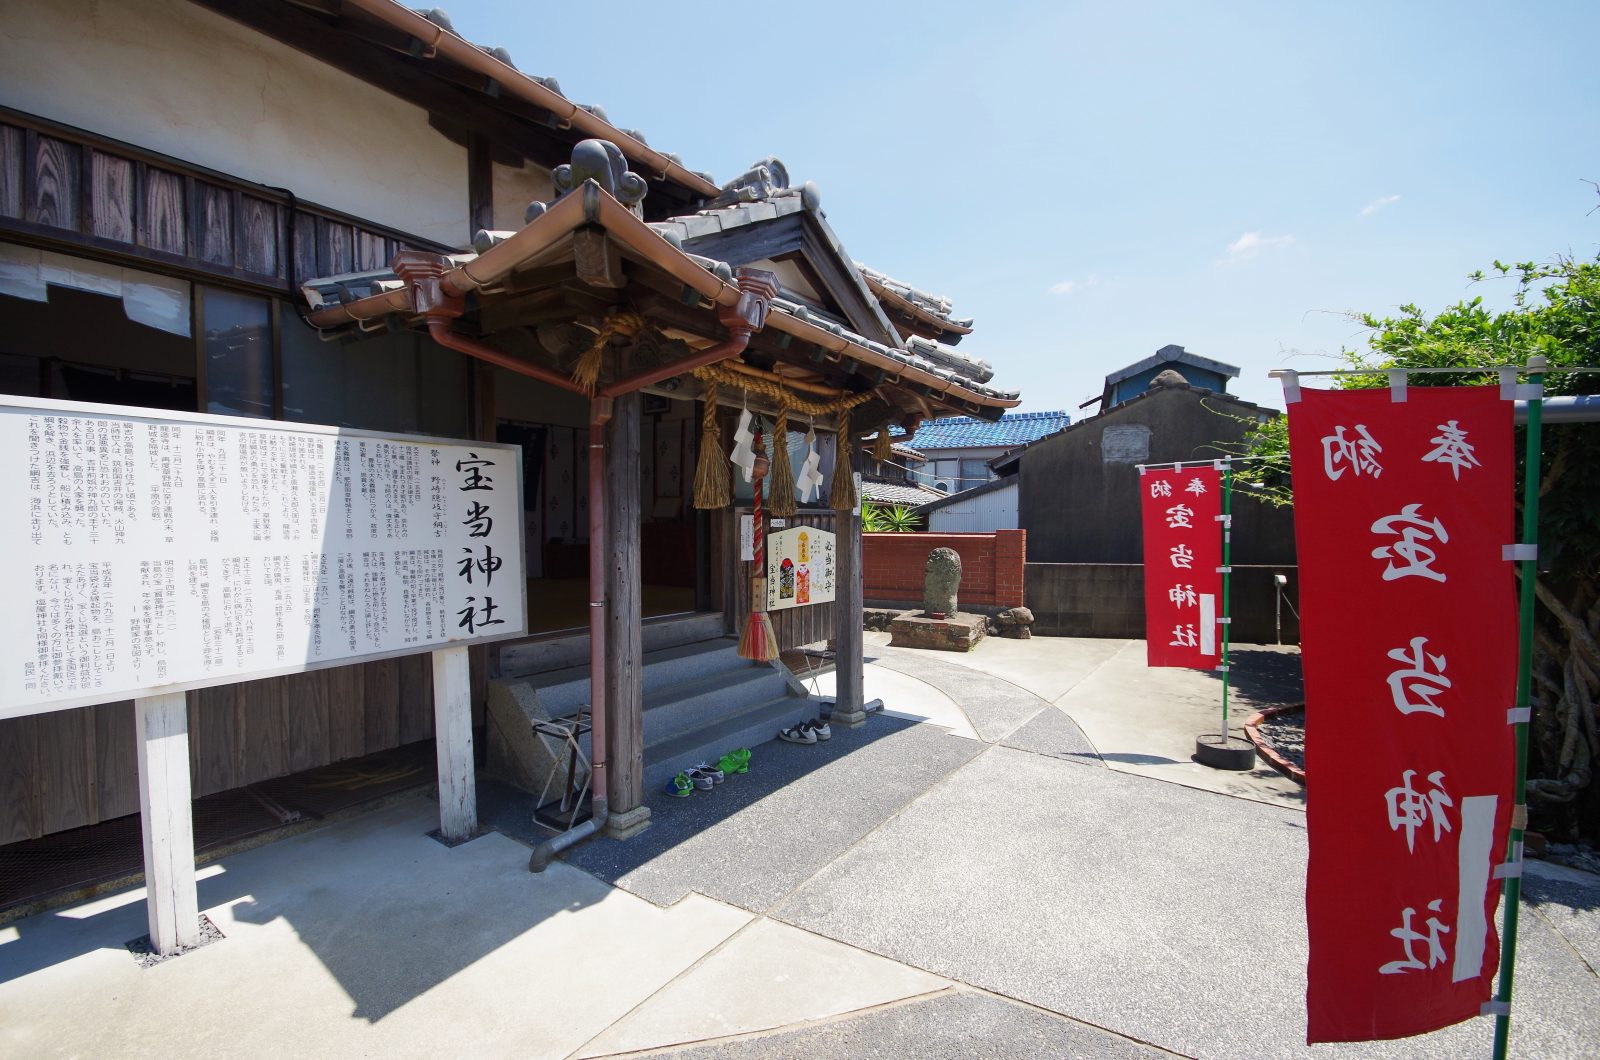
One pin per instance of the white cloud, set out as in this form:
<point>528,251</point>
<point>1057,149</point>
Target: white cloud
<point>1069,286</point>
<point>1252,243</point>
<point>1379,203</point>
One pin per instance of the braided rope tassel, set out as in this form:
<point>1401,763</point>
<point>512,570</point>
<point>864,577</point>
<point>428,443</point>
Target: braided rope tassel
<point>780,495</point>
<point>713,485</point>
<point>842,491</point>
<point>880,448</point>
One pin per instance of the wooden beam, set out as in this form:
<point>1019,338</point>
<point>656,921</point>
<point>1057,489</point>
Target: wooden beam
<point>596,259</point>
<point>480,184</point>
<point>624,630</point>
<point>452,730</point>
<point>849,690</point>
<point>161,726</point>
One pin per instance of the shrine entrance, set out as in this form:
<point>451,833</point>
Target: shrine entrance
<point>551,427</point>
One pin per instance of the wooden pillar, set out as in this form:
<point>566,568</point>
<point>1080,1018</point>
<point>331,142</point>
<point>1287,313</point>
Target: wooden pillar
<point>624,618</point>
<point>847,655</point>
<point>452,731</point>
<point>162,735</point>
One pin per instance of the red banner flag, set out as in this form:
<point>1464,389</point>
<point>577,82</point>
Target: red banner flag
<point>1409,650</point>
<point>1182,557</point>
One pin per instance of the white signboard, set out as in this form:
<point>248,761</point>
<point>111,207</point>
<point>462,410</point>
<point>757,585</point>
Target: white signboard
<point>148,552</point>
<point>800,567</point>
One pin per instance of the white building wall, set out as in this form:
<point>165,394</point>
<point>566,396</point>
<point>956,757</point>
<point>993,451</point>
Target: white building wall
<point>994,510</point>
<point>177,79</point>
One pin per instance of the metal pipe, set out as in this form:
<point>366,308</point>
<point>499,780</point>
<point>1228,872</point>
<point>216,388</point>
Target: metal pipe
<point>1570,408</point>
<point>599,413</point>
<point>519,84</point>
<point>440,331</point>
<point>710,355</point>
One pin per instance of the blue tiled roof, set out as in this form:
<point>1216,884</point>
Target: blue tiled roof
<point>968,432</point>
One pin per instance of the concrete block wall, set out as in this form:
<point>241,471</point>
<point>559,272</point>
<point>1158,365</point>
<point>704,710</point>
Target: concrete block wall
<point>1107,600</point>
<point>992,568</point>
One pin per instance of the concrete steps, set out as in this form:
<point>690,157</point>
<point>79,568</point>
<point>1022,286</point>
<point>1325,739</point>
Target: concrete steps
<point>700,701</point>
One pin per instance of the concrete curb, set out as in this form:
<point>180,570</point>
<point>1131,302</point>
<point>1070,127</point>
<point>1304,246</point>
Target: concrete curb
<point>1266,750</point>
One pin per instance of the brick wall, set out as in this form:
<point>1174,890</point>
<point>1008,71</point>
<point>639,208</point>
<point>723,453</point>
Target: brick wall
<point>991,568</point>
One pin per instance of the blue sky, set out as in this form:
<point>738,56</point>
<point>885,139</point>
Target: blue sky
<point>1094,181</point>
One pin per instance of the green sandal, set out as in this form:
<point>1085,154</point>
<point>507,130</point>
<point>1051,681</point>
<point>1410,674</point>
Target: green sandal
<point>680,786</point>
<point>737,761</point>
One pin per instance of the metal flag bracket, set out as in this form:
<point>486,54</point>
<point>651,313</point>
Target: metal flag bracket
<point>1519,715</point>
<point>1519,553</point>
<point>1495,1008</point>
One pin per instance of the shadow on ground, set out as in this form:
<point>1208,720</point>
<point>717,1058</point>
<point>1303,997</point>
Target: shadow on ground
<point>1263,677</point>
<point>754,838</point>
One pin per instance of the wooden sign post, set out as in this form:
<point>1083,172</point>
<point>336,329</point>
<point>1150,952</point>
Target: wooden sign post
<point>157,552</point>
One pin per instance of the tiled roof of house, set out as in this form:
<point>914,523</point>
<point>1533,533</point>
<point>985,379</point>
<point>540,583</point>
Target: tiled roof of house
<point>1167,355</point>
<point>967,432</point>
<point>897,493</point>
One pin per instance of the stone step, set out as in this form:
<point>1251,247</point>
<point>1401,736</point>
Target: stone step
<point>561,691</point>
<point>680,707</point>
<point>751,727</point>
<point>543,654</point>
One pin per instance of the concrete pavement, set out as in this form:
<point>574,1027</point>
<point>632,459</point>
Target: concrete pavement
<point>1037,870</point>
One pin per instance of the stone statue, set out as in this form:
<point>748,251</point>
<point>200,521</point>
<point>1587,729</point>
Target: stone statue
<point>941,582</point>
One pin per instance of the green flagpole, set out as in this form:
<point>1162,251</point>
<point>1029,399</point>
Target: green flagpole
<point>1530,535</point>
<point>1227,575</point>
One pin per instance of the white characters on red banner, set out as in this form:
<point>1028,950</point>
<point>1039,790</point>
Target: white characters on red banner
<point>1357,455</point>
<point>1196,486</point>
<point>1182,556</point>
<point>1160,488</point>
<point>1180,515</point>
<point>1409,937</point>
<point>1414,532</point>
<point>1182,595</point>
<point>1413,688</point>
<point>1411,809</point>
<point>1184,637</point>
<point>1451,447</point>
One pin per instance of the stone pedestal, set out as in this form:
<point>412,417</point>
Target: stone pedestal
<point>958,632</point>
<point>629,823</point>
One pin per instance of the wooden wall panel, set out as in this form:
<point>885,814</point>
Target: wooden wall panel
<point>116,762</point>
<point>335,248</point>
<point>372,251</point>
<point>162,218</point>
<point>214,224</point>
<point>111,197</point>
<point>93,192</point>
<point>258,236</point>
<point>21,816</point>
<point>212,725</point>
<point>347,718</point>
<point>381,703</point>
<point>66,748</point>
<point>259,738</point>
<point>12,152</point>
<point>305,720</point>
<point>416,697</point>
<point>53,191</point>
<point>304,257</point>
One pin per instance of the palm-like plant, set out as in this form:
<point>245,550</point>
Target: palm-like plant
<point>890,519</point>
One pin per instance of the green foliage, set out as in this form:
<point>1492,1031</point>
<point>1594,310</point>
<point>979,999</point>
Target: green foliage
<point>1555,314</point>
<point>889,518</point>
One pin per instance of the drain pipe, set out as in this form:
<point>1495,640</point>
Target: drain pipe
<point>423,274</point>
<point>599,415</point>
